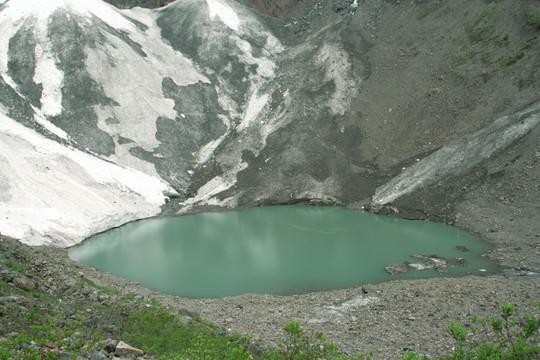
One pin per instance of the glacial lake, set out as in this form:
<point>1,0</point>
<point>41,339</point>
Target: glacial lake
<point>278,250</point>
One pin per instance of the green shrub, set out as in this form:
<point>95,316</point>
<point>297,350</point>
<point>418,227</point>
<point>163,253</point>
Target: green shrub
<point>513,59</point>
<point>299,346</point>
<point>508,339</point>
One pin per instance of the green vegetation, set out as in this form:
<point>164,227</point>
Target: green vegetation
<point>520,54</point>
<point>533,17</point>
<point>484,26</point>
<point>299,346</point>
<point>506,338</point>
<point>491,43</point>
<point>37,329</point>
<point>513,59</point>
<point>156,331</point>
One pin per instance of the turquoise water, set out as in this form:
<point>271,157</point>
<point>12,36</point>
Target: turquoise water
<point>274,250</point>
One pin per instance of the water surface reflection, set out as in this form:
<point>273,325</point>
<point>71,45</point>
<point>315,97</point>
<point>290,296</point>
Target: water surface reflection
<point>278,250</point>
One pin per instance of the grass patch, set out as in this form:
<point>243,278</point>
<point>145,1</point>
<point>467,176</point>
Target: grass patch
<point>484,26</point>
<point>156,331</point>
<point>520,54</point>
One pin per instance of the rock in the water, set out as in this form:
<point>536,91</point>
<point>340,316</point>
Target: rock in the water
<point>123,349</point>
<point>421,266</point>
<point>429,262</point>
<point>396,268</point>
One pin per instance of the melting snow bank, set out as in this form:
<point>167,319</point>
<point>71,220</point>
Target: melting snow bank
<point>54,195</point>
<point>460,156</point>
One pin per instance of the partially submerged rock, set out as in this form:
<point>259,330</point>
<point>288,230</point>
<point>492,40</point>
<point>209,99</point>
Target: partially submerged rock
<point>396,268</point>
<point>427,262</point>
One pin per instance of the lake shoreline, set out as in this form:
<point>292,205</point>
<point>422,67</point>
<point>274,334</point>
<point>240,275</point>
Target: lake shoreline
<point>281,250</point>
<point>389,318</point>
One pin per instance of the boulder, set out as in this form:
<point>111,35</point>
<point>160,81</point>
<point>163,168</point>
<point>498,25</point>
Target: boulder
<point>125,350</point>
<point>24,283</point>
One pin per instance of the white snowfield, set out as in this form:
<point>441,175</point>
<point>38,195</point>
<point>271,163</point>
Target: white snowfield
<point>53,195</point>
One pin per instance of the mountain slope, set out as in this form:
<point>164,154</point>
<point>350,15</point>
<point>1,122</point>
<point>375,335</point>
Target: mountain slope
<point>398,106</point>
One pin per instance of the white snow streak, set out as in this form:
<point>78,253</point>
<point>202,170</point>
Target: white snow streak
<point>335,61</point>
<point>41,120</point>
<point>459,156</point>
<point>39,117</point>
<point>225,14</point>
<point>43,9</point>
<point>254,108</point>
<point>51,79</point>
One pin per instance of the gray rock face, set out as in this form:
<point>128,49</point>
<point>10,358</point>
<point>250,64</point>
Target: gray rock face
<point>109,112</point>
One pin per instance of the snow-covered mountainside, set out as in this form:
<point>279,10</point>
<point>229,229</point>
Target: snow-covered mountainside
<point>113,106</point>
<point>106,114</point>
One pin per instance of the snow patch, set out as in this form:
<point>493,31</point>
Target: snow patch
<point>8,28</point>
<point>208,150</point>
<point>254,108</point>
<point>58,195</point>
<point>51,79</point>
<point>135,81</point>
<point>265,66</point>
<point>46,124</point>
<point>39,117</point>
<point>225,13</point>
<point>213,187</point>
<point>43,9</point>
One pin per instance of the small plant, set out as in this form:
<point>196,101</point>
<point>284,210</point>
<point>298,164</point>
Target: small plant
<point>508,339</point>
<point>300,346</point>
<point>483,27</point>
<point>513,59</point>
<point>533,17</point>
